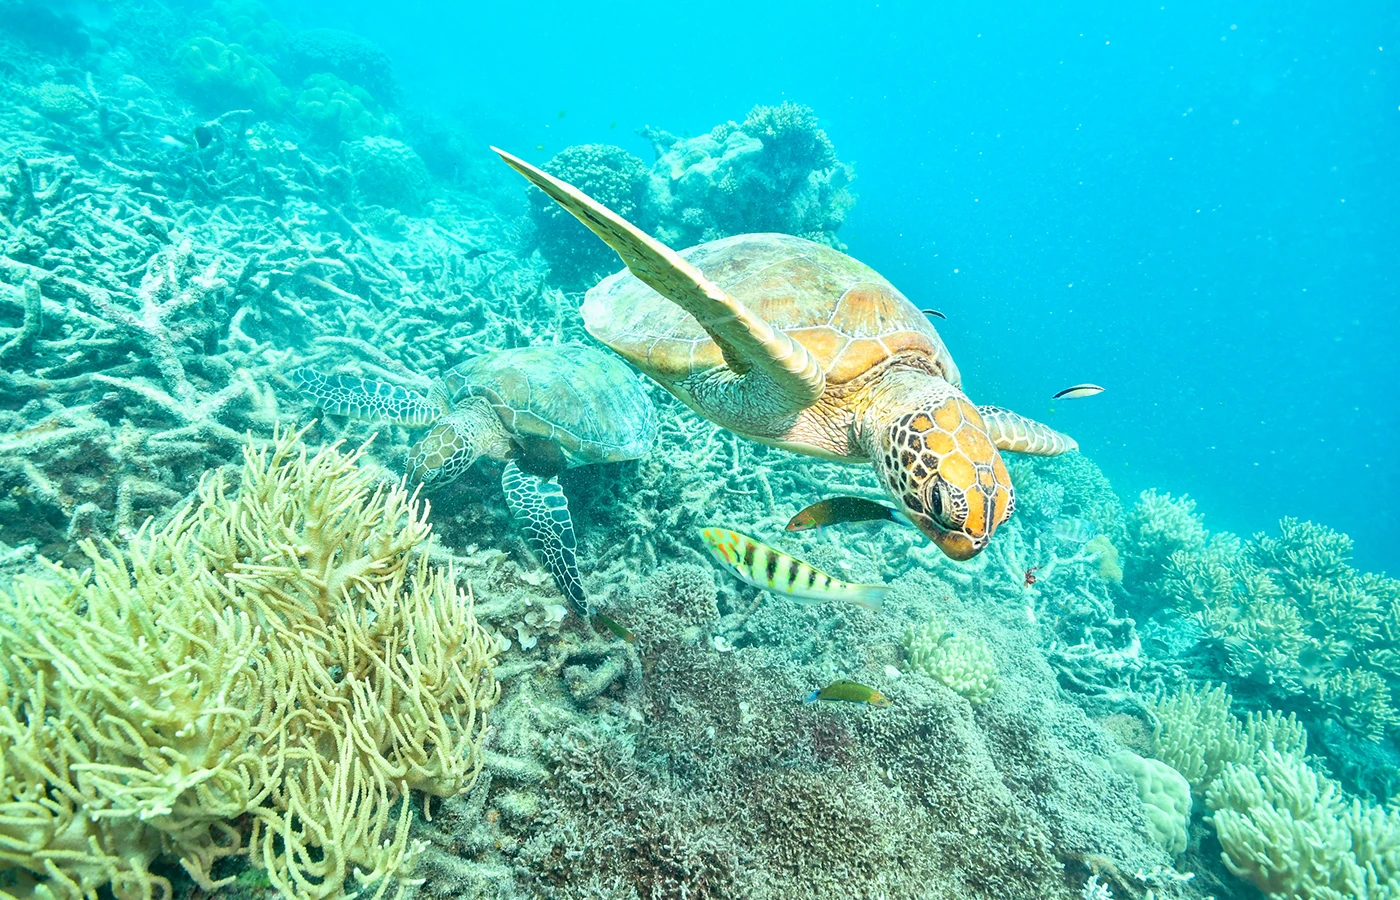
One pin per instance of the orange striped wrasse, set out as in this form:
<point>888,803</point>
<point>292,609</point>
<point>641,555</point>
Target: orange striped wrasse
<point>851,692</point>
<point>754,562</point>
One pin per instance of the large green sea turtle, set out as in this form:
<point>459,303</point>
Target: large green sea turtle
<point>540,410</point>
<point>797,345</point>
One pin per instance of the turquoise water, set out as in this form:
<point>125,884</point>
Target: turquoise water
<point>1192,204</point>
<point>363,534</point>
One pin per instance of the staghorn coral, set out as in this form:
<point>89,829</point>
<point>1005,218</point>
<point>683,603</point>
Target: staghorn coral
<point>277,666</point>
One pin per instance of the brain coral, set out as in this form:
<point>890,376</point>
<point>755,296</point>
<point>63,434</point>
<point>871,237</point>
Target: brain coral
<point>339,111</point>
<point>608,174</point>
<point>387,172</point>
<point>227,75</point>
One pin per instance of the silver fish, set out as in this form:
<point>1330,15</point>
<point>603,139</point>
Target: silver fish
<point>1074,530</point>
<point>1077,391</point>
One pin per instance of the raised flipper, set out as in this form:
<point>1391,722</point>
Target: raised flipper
<point>360,398</point>
<point>748,340</point>
<point>541,510</point>
<point>1018,434</point>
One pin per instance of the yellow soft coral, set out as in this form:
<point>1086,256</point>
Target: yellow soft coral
<point>280,664</point>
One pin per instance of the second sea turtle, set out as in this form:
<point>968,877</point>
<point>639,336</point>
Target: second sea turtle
<point>540,410</point>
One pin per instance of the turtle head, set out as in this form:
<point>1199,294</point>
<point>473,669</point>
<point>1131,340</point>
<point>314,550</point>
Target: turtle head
<point>444,453</point>
<point>938,462</point>
<point>458,439</point>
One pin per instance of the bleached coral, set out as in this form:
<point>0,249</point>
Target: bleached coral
<point>1290,831</point>
<point>285,654</point>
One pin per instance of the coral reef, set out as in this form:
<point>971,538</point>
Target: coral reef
<point>161,271</point>
<point>347,56</point>
<point>386,172</point>
<point>962,662</point>
<point>279,653</point>
<point>1296,620</point>
<point>777,171</point>
<point>225,76</point>
<point>339,111</point>
<point>611,176</point>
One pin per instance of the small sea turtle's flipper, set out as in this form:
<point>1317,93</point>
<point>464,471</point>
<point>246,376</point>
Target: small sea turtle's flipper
<point>360,398</point>
<point>1018,434</point>
<point>542,512</point>
<point>747,340</point>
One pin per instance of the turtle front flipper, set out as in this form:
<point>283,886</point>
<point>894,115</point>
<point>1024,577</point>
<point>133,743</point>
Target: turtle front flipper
<point>541,510</point>
<point>361,398</point>
<point>748,342</point>
<point>1017,434</point>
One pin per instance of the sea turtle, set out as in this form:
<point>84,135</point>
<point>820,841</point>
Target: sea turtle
<point>797,345</point>
<point>540,410</point>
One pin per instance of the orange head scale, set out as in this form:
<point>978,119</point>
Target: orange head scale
<point>939,463</point>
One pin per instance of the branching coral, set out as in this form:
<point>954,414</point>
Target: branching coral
<point>1293,615</point>
<point>1197,735</point>
<point>1289,831</point>
<point>284,653</point>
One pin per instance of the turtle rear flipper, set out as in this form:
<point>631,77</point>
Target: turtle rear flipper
<point>748,342</point>
<point>361,398</point>
<point>1018,434</point>
<point>541,510</point>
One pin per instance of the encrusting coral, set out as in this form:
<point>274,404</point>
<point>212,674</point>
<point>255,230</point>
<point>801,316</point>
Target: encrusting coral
<point>278,667</point>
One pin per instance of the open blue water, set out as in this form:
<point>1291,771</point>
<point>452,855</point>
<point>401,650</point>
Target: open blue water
<point>1192,204</point>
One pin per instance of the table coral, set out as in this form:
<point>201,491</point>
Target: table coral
<point>279,652</point>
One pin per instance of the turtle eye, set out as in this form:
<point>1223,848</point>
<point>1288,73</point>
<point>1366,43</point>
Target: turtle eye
<point>938,502</point>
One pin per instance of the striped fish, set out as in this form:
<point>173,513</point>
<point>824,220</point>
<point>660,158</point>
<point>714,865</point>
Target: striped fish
<point>754,562</point>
